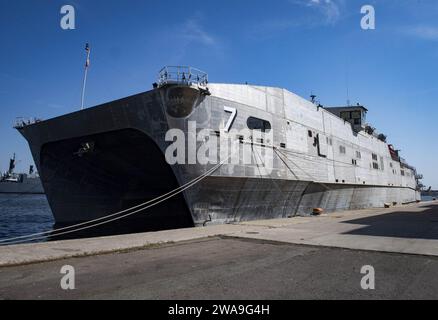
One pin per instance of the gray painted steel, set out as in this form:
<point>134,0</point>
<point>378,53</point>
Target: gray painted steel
<point>111,175</point>
<point>29,185</point>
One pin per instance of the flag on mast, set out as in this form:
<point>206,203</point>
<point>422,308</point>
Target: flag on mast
<point>87,64</point>
<point>87,49</point>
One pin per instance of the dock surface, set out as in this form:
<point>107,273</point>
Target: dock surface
<point>302,257</point>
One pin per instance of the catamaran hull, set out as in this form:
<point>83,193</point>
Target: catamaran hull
<point>110,158</point>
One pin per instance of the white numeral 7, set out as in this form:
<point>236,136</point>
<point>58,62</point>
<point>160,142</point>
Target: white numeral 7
<point>233,112</point>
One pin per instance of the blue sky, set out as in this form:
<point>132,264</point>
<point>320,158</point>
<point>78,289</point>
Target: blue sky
<point>302,45</point>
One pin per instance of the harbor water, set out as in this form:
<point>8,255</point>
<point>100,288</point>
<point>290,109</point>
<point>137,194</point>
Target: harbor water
<point>427,198</point>
<point>22,215</point>
<point>27,214</point>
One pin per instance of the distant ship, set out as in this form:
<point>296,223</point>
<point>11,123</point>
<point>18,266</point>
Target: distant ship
<point>429,193</point>
<point>11,182</point>
<point>111,157</point>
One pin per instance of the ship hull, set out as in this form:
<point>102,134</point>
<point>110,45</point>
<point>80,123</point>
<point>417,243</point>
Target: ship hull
<point>125,166</point>
<point>29,186</point>
<point>125,170</point>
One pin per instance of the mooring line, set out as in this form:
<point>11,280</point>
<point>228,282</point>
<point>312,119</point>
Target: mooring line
<point>166,196</point>
<point>264,165</point>
<point>313,178</point>
<point>285,196</point>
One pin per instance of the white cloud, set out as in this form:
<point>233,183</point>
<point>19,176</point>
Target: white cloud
<point>423,32</point>
<point>194,32</point>
<point>329,9</point>
<point>313,13</point>
<point>189,35</point>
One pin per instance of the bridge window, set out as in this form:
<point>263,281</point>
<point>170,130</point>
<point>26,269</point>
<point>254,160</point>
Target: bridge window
<point>342,149</point>
<point>345,115</point>
<point>258,124</point>
<point>354,117</point>
<point>357,117</point>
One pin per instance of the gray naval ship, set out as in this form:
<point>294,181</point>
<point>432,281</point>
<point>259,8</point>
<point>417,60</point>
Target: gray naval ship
<point>26,183</point>
<point>429,193</point>
<point>111,157</point>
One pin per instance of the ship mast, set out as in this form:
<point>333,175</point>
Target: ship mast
<point>11,165</point>
<point>87,64</point>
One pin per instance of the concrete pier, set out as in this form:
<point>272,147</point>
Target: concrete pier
<point>301,257</point>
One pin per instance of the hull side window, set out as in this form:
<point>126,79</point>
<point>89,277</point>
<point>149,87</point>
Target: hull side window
<point>258,124</point>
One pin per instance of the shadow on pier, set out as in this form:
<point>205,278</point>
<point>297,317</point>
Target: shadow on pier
<point>119,227</point>
<point>401,224</point>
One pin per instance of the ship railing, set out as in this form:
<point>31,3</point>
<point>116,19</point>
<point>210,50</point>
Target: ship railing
<point>404,164</point>
<point>22,122</point>
<point>182,75</point>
